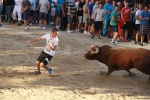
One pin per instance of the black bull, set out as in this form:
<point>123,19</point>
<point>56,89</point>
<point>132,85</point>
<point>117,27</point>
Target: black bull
<point>121,58</point>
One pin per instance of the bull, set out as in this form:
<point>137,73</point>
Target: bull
<point>121,58</point>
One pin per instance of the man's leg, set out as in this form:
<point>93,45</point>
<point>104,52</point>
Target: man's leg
<point>38,66</point>
<point>44,66</point>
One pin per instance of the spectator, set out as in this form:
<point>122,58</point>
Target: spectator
<point>70,15</point>
<point>144,24</point>
<point>59,4</point>
<point>80,15</point>
<point>26,11</point>
<point>114,24</point>
<point>10,6</point>
<point>107,18</point>
<point>53,11</point>
<point>125,15</point>
<point>85,16</point>
<point>137,23</point>
<point>44,7</point>
<point>76,16</point>
<point>90,12</point>
<point>96,6</point>
<point>110,10</point>
<point>33,11</point>
<point>64,18</point>
<point>1,7</point>
<point>99,16</point>
<point>17,11</point>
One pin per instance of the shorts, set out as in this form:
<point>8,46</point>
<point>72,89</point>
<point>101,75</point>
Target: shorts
<point>126,26</point>
<point>43,15</point>
<point>114,28</point>
<point>53,12</point>
<point>45,58</point>
<point>70,19</point>
<point>9,9</point>
<point>144,29</point>
<point>26,16</point>
<point>137,27</point>
<point>85,20</point>
<point>98,25</point>
<point>59,13</point>
<point>32,12</point>
<point>133,25</point>
<point>80,19</point>
<point>91,22</point>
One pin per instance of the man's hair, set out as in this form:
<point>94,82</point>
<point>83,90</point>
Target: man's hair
<point>54,30</point>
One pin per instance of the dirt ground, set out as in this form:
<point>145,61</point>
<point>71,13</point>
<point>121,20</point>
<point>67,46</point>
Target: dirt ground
<point>73,78</point>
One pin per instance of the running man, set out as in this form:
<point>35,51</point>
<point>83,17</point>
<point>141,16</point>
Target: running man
<point>49,51</point>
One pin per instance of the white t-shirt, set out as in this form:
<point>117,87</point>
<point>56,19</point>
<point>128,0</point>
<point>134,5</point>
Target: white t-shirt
<point>100,14</point>
<point>44,4</point>
<point>18,3</point>
<point>49,40</point>
<point>76,4</point>
<point>138,14</point>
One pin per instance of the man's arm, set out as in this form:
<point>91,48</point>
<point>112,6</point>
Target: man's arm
<point>48,5</point>
<point>34,40</point>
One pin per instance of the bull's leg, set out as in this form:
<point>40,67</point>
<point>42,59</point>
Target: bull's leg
<point>109,72</point>
<point>130,73</point>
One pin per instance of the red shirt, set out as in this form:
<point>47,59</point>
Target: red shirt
<point>126,13</point>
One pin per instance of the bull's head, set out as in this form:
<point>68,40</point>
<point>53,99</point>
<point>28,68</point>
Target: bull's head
<point>92,53</point>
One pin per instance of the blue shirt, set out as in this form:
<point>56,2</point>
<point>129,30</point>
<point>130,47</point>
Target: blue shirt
<point>60,3</point>
<point>91,8</point>
<point>144,14</point>
<point>106,7</point>
<point>132,16</point>
<point>111,9</point>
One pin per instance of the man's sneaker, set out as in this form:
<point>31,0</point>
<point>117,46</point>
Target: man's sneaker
<point>0,24</point>
<point>99,37</point>
<point>39,27</point>
<point>57,27</point>
<point>26,29</point>
<point>85,32</point>
<point>141,44</point>
<point>50,71</point>
<point>44,28</point>
<point>42,25</point>
<point>92,36</point>
<point>88,33</point>
<point>77,30</point>
<point>113,43</point>
<point>70,31</point>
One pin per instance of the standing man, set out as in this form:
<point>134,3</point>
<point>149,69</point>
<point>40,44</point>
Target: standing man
<point>80,15</point>
<point>53,11</point>
<point>17,11</point>
<point>71,14</point>
<point>96,6</point>
<point>125,15</point>
<point>1,7</point>
<point>10,6</point>
<point>49,51</point>
<point>107,17</point>
<point>137,22</point>
<point>114,24</point>
<point>44,7</point>
<point>26,12</point>
<point>59,4</point>
<point>85,16</point>
<point>99,16</point>
<point>144,24</point>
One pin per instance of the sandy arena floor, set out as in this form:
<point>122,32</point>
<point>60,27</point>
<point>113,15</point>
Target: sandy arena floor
<point>73,77</point>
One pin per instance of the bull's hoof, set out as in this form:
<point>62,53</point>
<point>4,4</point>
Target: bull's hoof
<point>130,75</point>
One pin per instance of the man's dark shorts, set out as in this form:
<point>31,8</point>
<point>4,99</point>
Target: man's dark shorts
<point>45,58</point>
<point>59,13</point>
<point>26,16</point>
<point>98,25</point>
<point>43,15</point>
<point>126,26</point>
<point>115,28</point>
<point>91,22</point>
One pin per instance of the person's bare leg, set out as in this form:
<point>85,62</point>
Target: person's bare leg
<point>45,22</point>
<point>137,36</point>
<point>38,66</point>
<point>99,32</point>
<point>69,26</point>
<point>142,39</point>
<point>44,66</point>
<point>115,36</point>
<point>126,34</point>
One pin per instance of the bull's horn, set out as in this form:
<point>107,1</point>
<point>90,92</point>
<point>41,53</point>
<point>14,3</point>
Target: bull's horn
<point>97,50</point>
<point>92,45</point>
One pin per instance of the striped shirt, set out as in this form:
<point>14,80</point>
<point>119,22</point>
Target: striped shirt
<point>72,8</point>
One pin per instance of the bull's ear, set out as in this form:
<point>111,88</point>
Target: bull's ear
<point>91,45</point>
